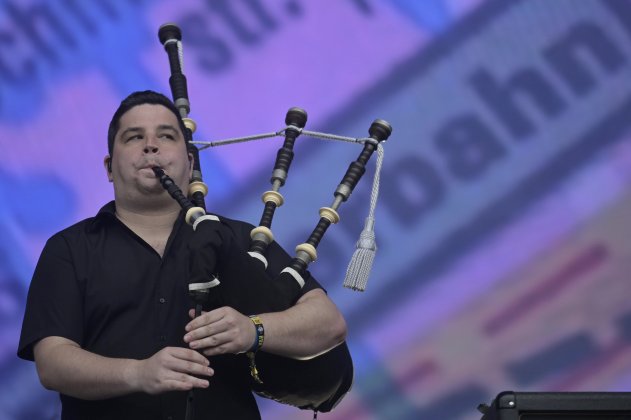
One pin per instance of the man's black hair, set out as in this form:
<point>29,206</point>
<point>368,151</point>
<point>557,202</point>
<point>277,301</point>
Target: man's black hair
<point>139,98</point>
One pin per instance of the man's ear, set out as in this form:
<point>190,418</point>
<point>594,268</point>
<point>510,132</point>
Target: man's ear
<point>107,164</point>
<point>191,161</point>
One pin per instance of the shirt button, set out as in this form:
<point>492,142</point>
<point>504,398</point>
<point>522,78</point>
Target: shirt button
<point>162,300</point>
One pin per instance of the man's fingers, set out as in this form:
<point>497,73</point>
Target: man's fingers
<point>186,384</point>
<point>188,355</point>
<point>215,340</point>
<point>192,380</point>
<point>186,367</point>
<point>175,368</point>
<point>191,313</point>
<point>203,331</point>
<point>189,368</point>
<point>205,318</point>
<point>223,330</point>
<point>183,362</point>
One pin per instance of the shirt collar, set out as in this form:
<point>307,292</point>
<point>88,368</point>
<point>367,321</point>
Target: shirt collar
<point>107,212</point>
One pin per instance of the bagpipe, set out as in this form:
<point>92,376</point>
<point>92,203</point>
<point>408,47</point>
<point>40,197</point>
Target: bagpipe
<point>224,274</point>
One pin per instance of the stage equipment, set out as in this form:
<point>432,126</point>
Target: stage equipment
<point>510,405</point>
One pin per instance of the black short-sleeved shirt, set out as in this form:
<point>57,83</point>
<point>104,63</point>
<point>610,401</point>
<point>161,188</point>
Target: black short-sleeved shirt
<point>100,285</point>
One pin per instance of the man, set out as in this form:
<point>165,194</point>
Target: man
<point>108,321</point>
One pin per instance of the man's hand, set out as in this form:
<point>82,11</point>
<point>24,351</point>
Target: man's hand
<point>172,369</point>
<point>220,331</point>
<point>309,328</point>
<point>65,367</point>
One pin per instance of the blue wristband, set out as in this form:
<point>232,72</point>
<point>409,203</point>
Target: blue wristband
<point>260,334</point>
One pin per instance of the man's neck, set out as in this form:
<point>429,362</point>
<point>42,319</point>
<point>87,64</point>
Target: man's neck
<point>153,225</point>
<point>147,217</point>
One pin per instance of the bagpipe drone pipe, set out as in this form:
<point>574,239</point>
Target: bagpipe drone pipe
<point>225,274</point>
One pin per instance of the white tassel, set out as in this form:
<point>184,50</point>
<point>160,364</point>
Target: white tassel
<point>360,266</point>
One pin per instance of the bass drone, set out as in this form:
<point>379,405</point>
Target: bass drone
<point>221,271</point>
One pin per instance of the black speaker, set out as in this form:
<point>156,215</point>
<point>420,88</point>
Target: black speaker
<point>509,405</point>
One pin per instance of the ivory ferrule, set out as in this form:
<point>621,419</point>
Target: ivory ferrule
<point>197,186</point>
<point>329,214</point>
<point>193,214</point>
<point>266,233</point>
<point>273,196</point>
<point>309,250</point>
<point>190,124</point>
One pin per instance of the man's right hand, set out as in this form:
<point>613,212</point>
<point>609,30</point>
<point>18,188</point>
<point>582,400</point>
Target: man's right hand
<point>65,367</point>
<point>172,369</point>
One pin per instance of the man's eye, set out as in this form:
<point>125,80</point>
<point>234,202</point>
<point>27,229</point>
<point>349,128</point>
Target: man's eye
<point>135,137</point>
<point>169,136</point>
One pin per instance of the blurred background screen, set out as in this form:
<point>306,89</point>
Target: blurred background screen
<point>503,221</point>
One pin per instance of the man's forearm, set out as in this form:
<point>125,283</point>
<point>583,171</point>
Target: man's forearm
<point>65,367</point>
<point>311,327</point>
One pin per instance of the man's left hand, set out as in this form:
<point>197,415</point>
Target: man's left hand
<point>220,331</point>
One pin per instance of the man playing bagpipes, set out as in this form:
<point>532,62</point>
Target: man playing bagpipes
<point>109,321</point>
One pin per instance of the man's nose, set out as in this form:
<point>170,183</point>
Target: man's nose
<point>151,145</point>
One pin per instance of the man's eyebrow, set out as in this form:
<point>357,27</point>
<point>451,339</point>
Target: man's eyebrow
<point>167,127</point>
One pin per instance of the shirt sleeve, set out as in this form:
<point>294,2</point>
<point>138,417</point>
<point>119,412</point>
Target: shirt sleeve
<point>54,305</point>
